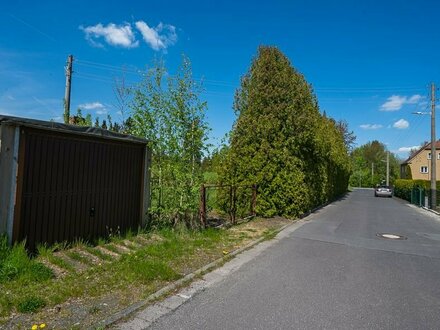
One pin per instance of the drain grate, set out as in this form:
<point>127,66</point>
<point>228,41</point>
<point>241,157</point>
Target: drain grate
<point>391,236</point>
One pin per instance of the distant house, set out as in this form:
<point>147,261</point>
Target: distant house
<point>418,166</point>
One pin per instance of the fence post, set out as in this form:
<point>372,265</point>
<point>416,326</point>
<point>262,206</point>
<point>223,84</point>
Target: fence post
<point>232,205</point>
<point>254,200</point>
<point>203,206</point>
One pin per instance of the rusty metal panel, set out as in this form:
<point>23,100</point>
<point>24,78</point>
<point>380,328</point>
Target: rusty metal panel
<point>78,187</point>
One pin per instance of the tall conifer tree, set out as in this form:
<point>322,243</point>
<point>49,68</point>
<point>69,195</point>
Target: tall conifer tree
<point>279,140</point>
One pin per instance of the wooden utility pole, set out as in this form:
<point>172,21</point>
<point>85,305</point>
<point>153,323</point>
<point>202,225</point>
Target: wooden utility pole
<point>433,153</point>
<point>388,168</point>
<point>68,88</point>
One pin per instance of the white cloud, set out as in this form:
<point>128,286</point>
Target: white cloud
<point>157,38</point>
<point>370,126</point>
<point>407,149</point>
<point>401,124</point>
<point>101,112</point>
<point>414,99</point>
<point>91,106</point>
<point>396,102</point>
<point>115,35</point>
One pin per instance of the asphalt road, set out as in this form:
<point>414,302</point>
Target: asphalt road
<point>333,272</point>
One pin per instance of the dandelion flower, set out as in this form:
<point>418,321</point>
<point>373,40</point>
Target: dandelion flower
<point>34,327</point>
<point>42,325</point>
<point>225,252</point>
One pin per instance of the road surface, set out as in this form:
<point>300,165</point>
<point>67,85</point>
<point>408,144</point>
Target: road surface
<point>333,272</point>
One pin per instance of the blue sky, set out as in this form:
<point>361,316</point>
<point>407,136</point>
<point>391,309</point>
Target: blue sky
<point>370,62</point>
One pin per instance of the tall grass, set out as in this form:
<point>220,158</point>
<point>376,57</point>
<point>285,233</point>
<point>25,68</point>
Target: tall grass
<point>16,265</point>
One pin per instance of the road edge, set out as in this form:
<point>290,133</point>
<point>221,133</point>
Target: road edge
<point>136,307</point>
<point>126,312</point>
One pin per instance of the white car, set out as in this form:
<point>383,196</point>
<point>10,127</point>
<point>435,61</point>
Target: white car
<point>383,191</point>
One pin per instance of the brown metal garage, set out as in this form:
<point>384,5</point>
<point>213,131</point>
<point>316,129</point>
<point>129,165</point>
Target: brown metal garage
<point>62,182</point>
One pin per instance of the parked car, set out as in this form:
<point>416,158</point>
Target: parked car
<point>383,191</point>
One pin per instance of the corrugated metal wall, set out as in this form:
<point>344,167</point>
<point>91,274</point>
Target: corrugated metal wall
<point>76,187</point>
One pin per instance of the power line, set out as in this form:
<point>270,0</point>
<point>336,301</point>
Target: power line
<point>216,82</point>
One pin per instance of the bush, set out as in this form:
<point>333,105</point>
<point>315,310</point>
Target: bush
<point>403,187</point>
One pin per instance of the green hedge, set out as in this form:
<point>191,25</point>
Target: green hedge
<point>403,187</point>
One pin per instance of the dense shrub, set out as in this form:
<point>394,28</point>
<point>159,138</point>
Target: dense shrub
<point>403,187</point>
<point>281,142</point>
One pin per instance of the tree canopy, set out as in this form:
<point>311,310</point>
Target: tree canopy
<point>369,165</point>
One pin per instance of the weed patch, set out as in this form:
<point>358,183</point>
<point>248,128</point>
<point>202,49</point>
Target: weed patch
<point>31,304</point>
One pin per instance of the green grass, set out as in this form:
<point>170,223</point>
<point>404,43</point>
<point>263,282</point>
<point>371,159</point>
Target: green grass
<point>269,234</point>
<point>48,254</point>
<point>112,248</point>
<point>30,304</point>
<point>98,253</point>
<point>18,270</point>
<point>147,268</point>
<point>74,255</point>
<point>16,265</point>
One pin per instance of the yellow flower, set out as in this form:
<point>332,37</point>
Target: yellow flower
<point>225,252</point>
<point>42,325</point>
<point>34,327</point>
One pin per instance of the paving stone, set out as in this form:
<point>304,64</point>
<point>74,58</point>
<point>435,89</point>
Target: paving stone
<point>134,324</point>
<point>173,302</point>
<point>193,289</point>
<point>152,313</point>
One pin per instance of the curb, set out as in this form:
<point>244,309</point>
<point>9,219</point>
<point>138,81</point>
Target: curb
<point>418,206</point>
<point>430,210</point>
<point>172,286</point>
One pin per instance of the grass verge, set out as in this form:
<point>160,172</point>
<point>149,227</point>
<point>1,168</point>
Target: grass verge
<point>134,276</point>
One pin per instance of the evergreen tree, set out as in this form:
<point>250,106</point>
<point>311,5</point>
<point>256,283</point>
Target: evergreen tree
<point>280,141</point>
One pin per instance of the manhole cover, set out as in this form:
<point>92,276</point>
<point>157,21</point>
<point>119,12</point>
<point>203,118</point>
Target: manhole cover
<point>391,236</point>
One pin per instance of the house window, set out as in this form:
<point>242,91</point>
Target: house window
<point>438,155</point>
<point>429,155</point>
<point>423,169</point>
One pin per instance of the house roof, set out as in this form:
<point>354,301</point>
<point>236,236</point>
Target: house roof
<point>72,129</point>
<point>425,147</point>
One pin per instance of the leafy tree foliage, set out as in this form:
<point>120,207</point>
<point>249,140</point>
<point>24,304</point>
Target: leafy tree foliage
<point>80,120</point>
<point>368,156</point>
<point>281,142</point>
<point>167,111</point>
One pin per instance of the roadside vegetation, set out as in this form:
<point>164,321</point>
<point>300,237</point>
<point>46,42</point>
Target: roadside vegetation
<point>297,156</point>
<point>369,165</point>
<point>406,188</point>
<point>280,144</point>
<point>75,273</point>
<point>281,141</point>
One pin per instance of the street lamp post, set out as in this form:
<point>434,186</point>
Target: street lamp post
<point>433,155</point>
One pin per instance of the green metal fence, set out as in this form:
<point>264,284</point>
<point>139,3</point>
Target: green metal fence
<point>418,196</point>
<point>422,197</point>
